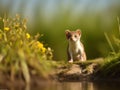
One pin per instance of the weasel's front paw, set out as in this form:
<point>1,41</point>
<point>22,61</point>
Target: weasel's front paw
<point>70,61</point>
<point>83,59</point>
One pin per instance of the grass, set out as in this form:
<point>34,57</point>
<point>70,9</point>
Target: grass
<point>110,68</point>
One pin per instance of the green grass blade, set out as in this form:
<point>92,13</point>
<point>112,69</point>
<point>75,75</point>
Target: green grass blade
<point>109,42</point>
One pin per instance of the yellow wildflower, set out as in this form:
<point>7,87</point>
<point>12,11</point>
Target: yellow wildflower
<point>39,45</point>
<point>43,49</point>
<point>27,35</point>
<point>6,28</point>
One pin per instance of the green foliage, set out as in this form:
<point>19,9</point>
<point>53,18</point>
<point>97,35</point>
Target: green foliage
<point>116,40</point>
<point>109,42</point>
<point>21,53</point>
<point>111,65</point>
<point>110,68</point>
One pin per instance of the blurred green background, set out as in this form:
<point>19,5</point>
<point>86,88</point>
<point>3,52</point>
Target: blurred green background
<point>52,17</point>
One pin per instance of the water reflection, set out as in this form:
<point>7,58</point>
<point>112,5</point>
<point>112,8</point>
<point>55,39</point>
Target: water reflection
<point>84,85</point>
<point>76,86</point>
<point>81,86</point>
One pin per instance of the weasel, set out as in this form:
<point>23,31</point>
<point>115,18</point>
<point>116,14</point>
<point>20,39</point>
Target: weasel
<point>75,49</point>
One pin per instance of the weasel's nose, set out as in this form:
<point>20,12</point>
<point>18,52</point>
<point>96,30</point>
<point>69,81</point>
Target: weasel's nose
<point>71,39</point>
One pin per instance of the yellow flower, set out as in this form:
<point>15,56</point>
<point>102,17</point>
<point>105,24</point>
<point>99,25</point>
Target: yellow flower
<point>27,35</point>
<point>43,50</point>
<point>39,45</point>
<point>6,28</point>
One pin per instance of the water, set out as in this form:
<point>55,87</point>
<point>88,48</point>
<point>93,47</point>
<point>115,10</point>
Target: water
<point>84,85</point>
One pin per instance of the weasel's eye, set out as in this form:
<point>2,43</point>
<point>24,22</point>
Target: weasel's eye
<point>75,36</point>
<point>68,36</point>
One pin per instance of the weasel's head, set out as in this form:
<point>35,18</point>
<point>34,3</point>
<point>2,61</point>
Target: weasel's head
<point>73,36</point>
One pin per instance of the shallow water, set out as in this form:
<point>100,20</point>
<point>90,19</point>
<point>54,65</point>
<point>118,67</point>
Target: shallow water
<point>84,85</point>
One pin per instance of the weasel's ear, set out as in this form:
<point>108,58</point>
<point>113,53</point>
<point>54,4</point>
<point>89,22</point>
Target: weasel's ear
<point>68,33</point>
<point>78,31</point>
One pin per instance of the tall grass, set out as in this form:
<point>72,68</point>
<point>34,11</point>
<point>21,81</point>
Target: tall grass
<point>111,66</point>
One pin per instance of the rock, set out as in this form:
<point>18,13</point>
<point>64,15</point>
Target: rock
<point>74,69</point>
<point>77,72</point>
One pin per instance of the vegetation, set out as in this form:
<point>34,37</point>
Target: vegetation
<point>20,53</point>
<point>110,68</point>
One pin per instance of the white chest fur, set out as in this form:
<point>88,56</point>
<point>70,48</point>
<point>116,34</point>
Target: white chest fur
<point>75,47</point>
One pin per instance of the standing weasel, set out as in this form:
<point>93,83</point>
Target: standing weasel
<point>75,48</point>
